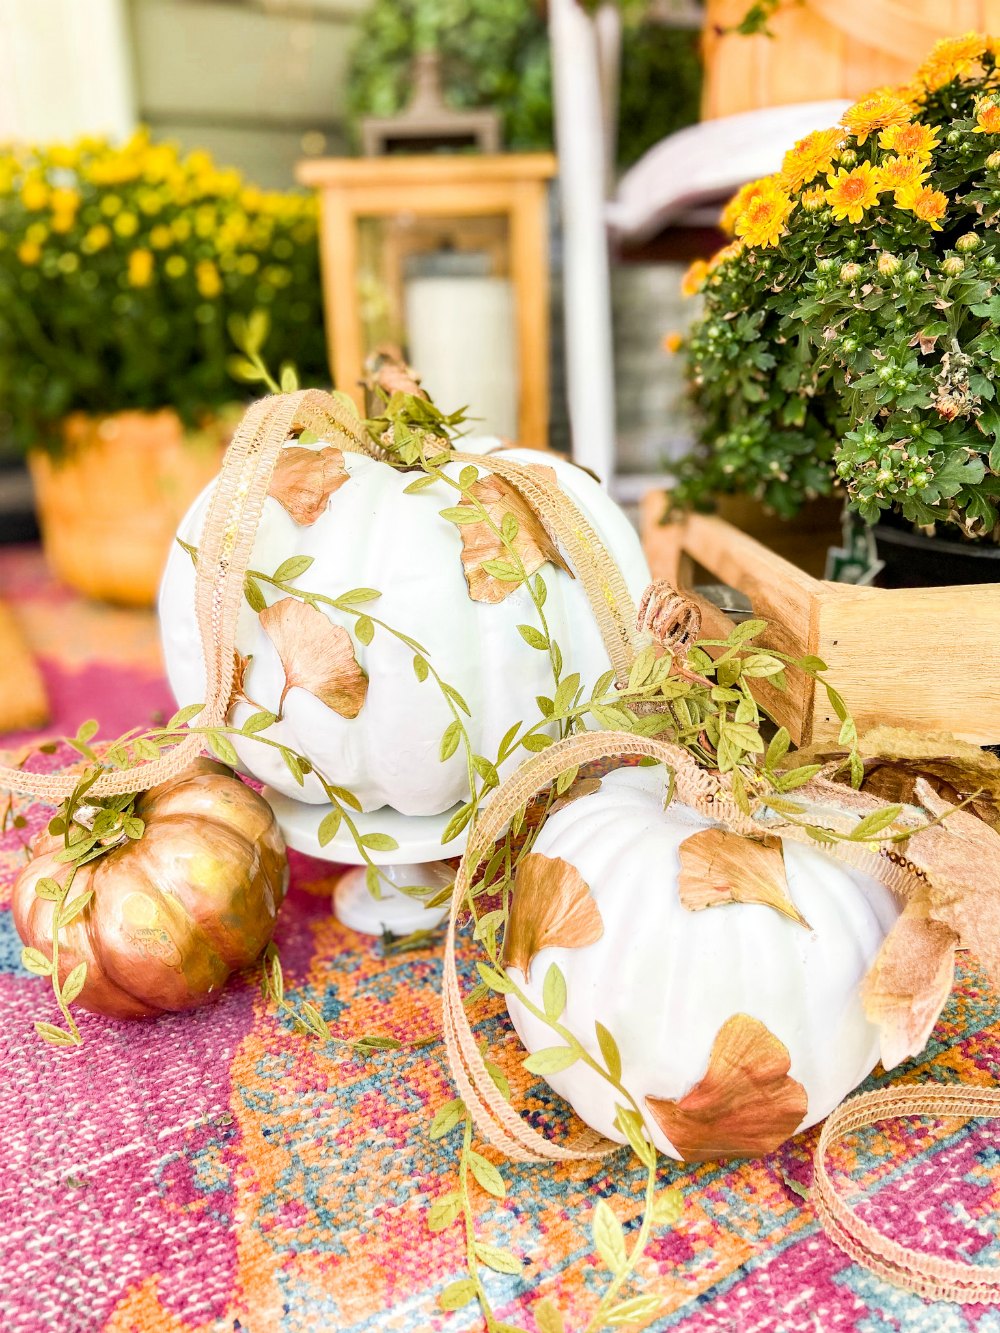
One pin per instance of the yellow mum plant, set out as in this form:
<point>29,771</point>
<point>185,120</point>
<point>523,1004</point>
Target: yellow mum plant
<point>849,337</point>
<point>120,267</point>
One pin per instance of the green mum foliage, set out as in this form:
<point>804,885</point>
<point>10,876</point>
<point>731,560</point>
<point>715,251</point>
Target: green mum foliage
<point>848,339</point>
<point>121,267</point>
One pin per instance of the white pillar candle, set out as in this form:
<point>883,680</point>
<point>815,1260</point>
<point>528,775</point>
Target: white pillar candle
<point>461,339</point>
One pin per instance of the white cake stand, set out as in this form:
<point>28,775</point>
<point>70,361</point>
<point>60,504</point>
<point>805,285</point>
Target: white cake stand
<point>415,863</point>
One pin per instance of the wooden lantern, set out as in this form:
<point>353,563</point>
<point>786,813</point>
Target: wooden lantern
<point>446,256</point>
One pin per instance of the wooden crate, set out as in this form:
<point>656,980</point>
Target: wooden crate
<point>908,657</point>
<point>826,48</point>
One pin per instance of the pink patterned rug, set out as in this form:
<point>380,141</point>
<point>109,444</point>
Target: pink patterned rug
<point>216,1173</point>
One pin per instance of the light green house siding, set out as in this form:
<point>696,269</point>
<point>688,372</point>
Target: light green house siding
<point>260,83</point>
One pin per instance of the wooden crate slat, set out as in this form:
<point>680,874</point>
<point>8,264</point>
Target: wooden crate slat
<point>910,657</point>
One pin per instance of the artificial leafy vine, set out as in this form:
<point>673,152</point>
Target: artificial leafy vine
<point>701,699</point>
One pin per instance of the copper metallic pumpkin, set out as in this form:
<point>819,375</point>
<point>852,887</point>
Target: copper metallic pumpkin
<point>174,913</point>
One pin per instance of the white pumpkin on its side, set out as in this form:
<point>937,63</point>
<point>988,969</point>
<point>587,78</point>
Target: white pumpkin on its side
<point>357,709</point>
<point>737,1017</point>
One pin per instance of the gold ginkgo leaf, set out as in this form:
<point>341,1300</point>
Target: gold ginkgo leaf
<point>910,980</point>
<point>746,1104</point>
<point>552,908</point>
<point>480,544</point>
<point>304,479</point>
<point>316,655</point>
<point>238,693</point>
<point>722,867</point>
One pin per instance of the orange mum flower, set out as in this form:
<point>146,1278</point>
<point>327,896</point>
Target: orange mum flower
<point>810,156</point>
<point>875,112</point>
<point>851,192</point>
<point>987,117</point>
<point>738,204</point>
<point>672,342</point>
<point>952,57</point>
<point>910,140</point>
<point>694,279</point>
<point>929,205</point>
<point>900,173</point>
<point>763,220</point>
<point>731,251</point>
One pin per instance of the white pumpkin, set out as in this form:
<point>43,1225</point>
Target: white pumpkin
<point>722,1012</point>
<point>369,534</point>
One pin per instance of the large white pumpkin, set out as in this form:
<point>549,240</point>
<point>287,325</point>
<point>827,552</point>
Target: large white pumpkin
<point>369,534</point>
<point>732,1011</point>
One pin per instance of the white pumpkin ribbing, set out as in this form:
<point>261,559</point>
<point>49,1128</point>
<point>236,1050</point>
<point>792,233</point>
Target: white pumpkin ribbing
<point>664,979</point>
<point>373,535</point>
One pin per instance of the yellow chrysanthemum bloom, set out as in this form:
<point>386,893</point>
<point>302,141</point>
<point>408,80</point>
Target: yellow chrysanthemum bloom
<point>950,58</point>
<point>176,266</point>
<point>810,156</point>
<point>987,116</point>
<point>64,155</point>
<point>160,237</point>
<point>851,192</point>
<point>29,252</point>
<point>913,140</point>
<point>126,224</point>
<point>65,201</point>
<point>929,205</point>
<point>207,277</point>
<point>875,112</point>
<point>63,222</point>
<point>694,279</point>
<point>140,268</point>
<point>738,204</point>
<point>763,220</point>
<point>96,239</point>
<point>813,199</point>
<point>34,194</point>
<point>901,173</point>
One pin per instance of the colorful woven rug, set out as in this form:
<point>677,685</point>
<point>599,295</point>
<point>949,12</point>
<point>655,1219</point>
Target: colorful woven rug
<point>217,1173</point>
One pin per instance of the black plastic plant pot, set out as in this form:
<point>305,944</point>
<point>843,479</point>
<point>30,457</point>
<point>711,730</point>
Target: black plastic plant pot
<point>915,561</point>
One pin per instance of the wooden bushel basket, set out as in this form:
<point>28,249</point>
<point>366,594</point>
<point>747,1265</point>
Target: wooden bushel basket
<point>906,657</point>
<point>826,48</point>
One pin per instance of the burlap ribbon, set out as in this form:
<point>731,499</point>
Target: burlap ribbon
<point>500,1125</point>
<point>225,549</point>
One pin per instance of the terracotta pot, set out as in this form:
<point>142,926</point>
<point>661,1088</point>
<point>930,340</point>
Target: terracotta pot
<point>109,505</point>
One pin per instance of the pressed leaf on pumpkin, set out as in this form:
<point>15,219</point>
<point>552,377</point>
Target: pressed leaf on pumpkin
<point>238,694</point>
<point>304,479</point>
<point>895,757</point>
<point>316,655</point>
<point>552,908</point>
<point>481,545</point>
<point>910,980</point>
<point>718,866</point>
<point>955,903</point>
<point>745,1105</point>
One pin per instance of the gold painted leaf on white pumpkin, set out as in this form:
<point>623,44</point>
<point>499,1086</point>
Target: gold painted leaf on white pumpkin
<point>480,544</point>
<point>910,980</point>
<point>552,908</point>
<point>238,694</point>
<point>304,479</point>
<point>745,1105</point>
<point>316,655</point>
<point>718,866</point>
